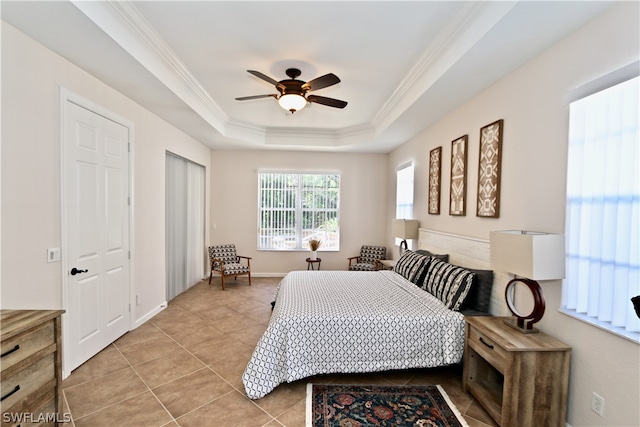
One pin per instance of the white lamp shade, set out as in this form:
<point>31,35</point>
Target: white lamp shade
<point>530,254</point>
<point>292,102</point>
<point>405,228</point>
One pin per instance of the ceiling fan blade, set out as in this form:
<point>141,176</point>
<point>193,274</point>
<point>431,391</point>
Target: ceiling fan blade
<point>263,77</point>
<point>330,102</point>
<point>245,98</point>
<point>321,82</point>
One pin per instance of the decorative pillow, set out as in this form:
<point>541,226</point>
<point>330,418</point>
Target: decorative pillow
<point>410,265</point>
<point>479,296</point>
<point>449,283</point>
<point>443,257</point>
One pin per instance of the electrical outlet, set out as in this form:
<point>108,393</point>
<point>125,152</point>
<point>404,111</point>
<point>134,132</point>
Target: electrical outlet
<point>597,404</point>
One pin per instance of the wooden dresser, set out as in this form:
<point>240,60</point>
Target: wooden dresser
<point>31,367</point>
<point>520,379</point>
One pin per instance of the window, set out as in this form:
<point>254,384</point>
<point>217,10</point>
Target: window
<point>602,217</point>
<point>404,192</point>
<point>298,207</point>
<point>404,196</point>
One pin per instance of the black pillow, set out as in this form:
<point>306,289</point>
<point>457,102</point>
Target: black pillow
<point>479,296</point>
<point>443,257</point>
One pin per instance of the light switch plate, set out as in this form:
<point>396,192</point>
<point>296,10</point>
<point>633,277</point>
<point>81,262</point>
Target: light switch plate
<point>53,254</point>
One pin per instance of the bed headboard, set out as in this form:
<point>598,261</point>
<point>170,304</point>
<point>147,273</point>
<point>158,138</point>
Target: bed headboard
<point>469,252</point>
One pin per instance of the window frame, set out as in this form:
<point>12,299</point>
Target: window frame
<point>405,210</point>
<point>299,211</point>
<point>607,82</point>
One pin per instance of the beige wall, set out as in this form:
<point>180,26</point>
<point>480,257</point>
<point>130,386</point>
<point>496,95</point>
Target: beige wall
<point>234,196</point>
<point>31,79</point>
<point>533,105</point>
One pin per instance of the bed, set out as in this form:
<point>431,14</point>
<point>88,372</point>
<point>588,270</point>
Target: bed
<point>351,322</point>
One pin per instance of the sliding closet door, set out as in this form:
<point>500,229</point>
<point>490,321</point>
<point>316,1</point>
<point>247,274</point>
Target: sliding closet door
<point>185,210</point>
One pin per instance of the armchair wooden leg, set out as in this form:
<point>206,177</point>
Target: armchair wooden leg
<point>222,280</point>
<point>249,278</point>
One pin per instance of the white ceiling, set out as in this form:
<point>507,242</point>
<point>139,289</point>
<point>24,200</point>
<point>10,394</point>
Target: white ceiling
<point>403,65</point>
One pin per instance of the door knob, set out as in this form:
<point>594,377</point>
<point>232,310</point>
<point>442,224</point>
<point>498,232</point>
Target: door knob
<point>75,271</point>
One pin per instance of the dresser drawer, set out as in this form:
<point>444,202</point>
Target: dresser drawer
<point>45,413</point>
<point>488,349</point>
<point>27,381</point>
<point>18,348</point>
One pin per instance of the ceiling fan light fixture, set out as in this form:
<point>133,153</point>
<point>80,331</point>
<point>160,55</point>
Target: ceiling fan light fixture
<point>292,102</point>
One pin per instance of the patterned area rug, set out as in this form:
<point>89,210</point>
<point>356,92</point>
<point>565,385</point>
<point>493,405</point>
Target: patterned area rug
<point>381,406</point>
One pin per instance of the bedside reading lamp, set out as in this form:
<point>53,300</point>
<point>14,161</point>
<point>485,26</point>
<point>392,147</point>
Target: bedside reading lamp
<point>405,229</point>
<point>533,256</point>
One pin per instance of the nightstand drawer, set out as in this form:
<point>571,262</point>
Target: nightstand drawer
<point>488,349</point>
<point>19,348</point>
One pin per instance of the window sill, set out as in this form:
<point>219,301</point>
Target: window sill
<point>606,326</point>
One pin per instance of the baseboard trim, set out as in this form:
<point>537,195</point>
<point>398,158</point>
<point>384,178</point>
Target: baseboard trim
<point>268,274</point>
<point>149,315</point>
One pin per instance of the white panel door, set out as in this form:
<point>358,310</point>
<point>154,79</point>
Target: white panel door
<point>96,215</point>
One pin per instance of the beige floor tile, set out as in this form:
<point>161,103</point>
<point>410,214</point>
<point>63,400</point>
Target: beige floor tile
<point>101,392</point>
<point>168,368</point>
<point>231,370</point>
<point>141,410</point>
<point>179,325</point>
<point>197,336</point>
<point>174,313</point>
<point>223,349</point>
<point>250,335</point>
<point>236,323</point>
<point>283,398</point>
<point>192,391</point>
<point>144,332</point>
<point>220,312</point>
<point>149,350</point>
<point>107,361</point>
<point>294,416</point>
<point>231,410</point>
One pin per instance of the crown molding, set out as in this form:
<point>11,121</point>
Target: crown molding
<point>122,21</point>
<point>471,21</point>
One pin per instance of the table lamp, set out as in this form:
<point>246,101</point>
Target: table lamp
<point>533,256</point>
<point>405,229</point>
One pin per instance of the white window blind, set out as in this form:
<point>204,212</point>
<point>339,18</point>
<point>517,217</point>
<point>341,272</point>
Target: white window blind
<point>602,216</point>
<point>298,207</point>
<point>404,196</point>
<point>404,192</point>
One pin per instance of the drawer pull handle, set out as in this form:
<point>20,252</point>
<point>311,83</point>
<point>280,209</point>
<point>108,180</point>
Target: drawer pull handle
<point>8,352</point>
<point>14,391</point>
<point>486,343</point>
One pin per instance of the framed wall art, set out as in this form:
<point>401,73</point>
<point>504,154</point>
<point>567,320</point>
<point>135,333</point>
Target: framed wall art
<point>489,165</point>
<point>458,187</point>
<point>435,163</point>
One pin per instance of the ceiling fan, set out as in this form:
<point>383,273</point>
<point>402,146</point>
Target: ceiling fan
<point>292,94</point>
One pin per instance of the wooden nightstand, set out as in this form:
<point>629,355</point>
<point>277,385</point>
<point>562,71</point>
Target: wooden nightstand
<point>520,379</point>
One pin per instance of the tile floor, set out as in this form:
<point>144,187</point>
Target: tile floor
<point>184,368</point>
